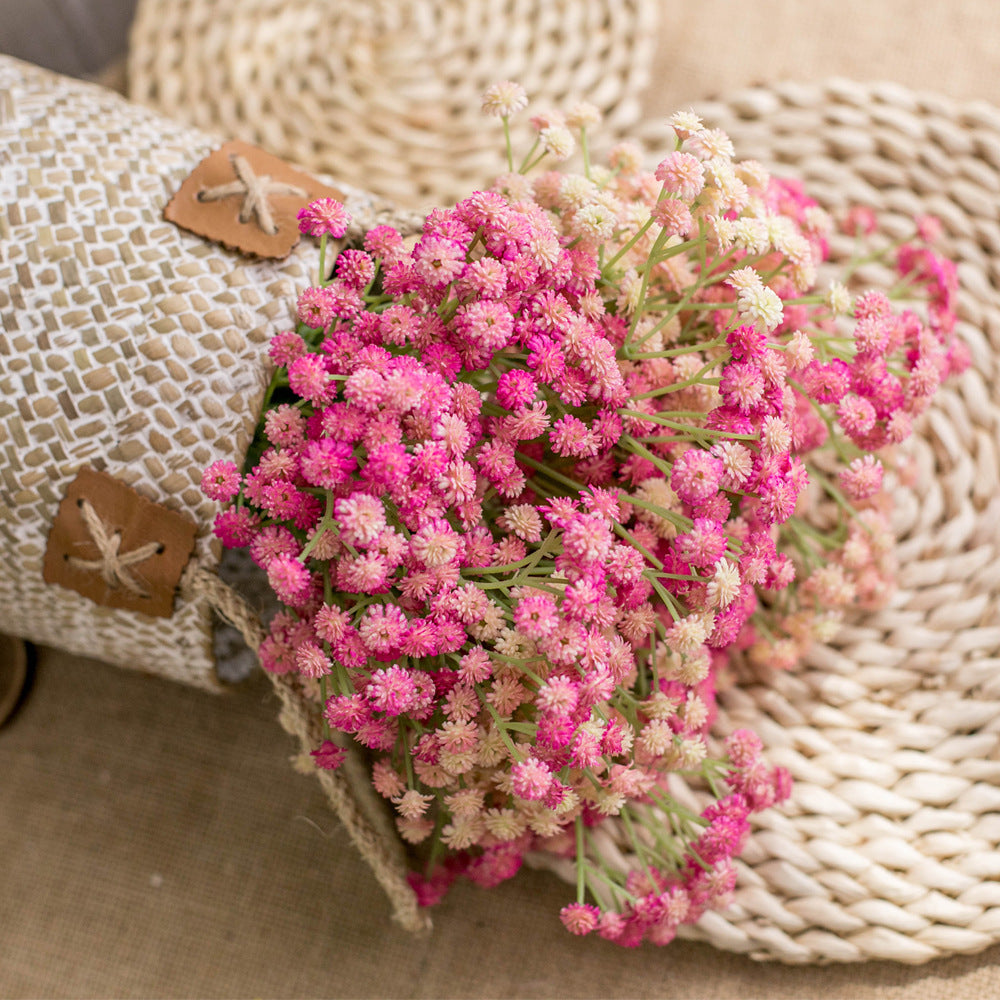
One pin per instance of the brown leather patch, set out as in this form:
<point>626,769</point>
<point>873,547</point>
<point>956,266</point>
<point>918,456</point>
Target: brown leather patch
<point>117,548</point>
<point>246,199</point>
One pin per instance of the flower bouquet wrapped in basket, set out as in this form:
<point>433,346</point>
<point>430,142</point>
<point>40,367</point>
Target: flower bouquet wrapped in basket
<point>598,522</point>
<point>575,502</point>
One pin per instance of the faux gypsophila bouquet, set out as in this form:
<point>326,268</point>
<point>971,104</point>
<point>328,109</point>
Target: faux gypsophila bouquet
<point>523,487</point>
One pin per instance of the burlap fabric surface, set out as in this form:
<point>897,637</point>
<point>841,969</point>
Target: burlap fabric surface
<point>155,843</point>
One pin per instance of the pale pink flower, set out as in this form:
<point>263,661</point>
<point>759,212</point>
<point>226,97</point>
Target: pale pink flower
<point>328,756</point>
<point>311,660</point>
<point>503,99</point>
<point>288,578</point>
<point>579,918</point>
<point>682,175</point>
<point>221,481</point>
<point>391,690</point>
<point>862,478</point>
<point>530,779</point>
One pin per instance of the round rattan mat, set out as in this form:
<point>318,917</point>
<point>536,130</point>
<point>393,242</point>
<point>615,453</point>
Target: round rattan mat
<point>889,847</point>
<point>385,94</point>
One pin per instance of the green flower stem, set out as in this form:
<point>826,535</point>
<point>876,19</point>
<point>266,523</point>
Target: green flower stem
<point>713,785</point>
<point>659,418</point>
<point>326,524</point>
<point>677,351</point>
<point>436,845</point>
<point>520,662</point>
<point>642,850</point>
<point>671,603</point>
<point>631,444</point>
<point>526,163</point>
<point>611,879</point>
<point>669,805</point>
<point>677,520</point>
<point>805,530</point>
<point>653,666</point>
<point>323,280</point>
<point>710,306</point>
<point>696,379</point>
<point>340,675</point>
<point>549,544</point>
<point>580,861</point>
<point>501,726</point>
<point>551,473</point>
<point>672,310</point>
<point>641,305</point>
<point>323,696</point>
<point>607,265</point>
<point>535,582</point>
<point>525,728</point>
<point>411,781</point>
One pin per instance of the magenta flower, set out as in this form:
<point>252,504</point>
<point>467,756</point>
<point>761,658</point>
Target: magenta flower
<point>324,217</point>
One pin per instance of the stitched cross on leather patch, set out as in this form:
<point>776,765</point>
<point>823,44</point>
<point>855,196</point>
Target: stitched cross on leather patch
<point>246,199</point>
<point>117,548</point>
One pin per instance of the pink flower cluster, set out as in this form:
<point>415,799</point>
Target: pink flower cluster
<point>522,485</point>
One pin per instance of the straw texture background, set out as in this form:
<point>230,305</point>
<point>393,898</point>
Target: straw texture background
<point>139,821</point>
<point>344,87</point>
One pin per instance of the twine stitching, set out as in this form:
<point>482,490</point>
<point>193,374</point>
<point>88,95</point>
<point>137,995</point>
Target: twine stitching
<point>254,190</point>
<point>112,563</point>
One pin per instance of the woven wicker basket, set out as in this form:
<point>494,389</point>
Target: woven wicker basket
<point>385,94</point>
<point>126,344</point>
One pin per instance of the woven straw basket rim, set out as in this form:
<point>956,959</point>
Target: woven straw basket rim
<point>889,847</point>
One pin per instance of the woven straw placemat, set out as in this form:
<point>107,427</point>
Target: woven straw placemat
<point>889,846</point>
<point>385,94</point>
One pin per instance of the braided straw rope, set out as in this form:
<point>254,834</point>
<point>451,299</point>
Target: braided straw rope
<point>126,344</point>
<point>349,790</point>
<point>385,94</point>
<point>889,847</point>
